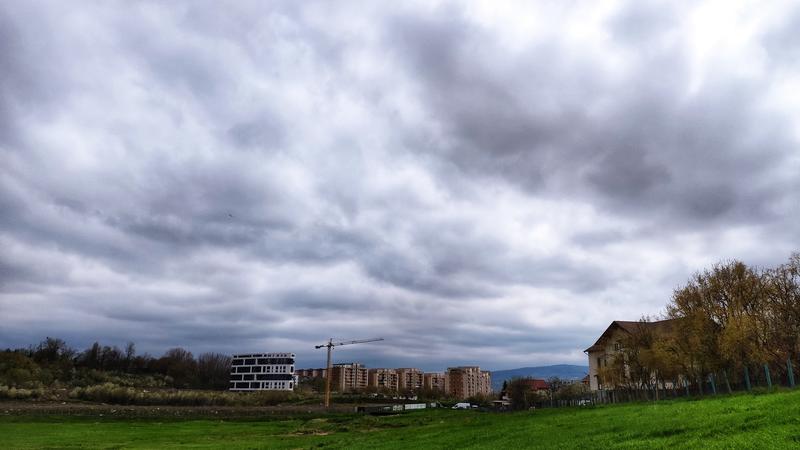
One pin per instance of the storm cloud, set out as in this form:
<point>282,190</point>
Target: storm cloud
<point>487,183</point>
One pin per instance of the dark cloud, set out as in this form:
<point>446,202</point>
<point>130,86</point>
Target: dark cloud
<point>658,147</point>
<point>267,176</point>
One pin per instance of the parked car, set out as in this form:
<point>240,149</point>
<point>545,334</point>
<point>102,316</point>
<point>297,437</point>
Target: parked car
<point>462,406</point>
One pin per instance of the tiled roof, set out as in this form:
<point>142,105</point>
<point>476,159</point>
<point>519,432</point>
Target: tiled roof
<point>660,326</point>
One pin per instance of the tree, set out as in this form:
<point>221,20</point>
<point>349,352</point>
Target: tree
<point>572,391</point>
<point>179,364</point>
<point>782,288</point>
<point>55,359</point>
<point>213,371</point>
<point>17,369</point>
<point>90,358</point>
<point>518,392</point>
<point>130,355</point>
<point>724,321</point>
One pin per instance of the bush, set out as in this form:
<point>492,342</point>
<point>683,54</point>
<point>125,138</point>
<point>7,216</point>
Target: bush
<point>90,377</point>
<point>13,393</point>
<point>122,395</point>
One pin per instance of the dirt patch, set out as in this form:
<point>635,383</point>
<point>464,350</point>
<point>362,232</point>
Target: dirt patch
<point>82,409</point>
<point>309,433</point>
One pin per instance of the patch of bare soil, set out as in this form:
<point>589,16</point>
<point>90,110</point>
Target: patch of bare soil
<point>34,408</point>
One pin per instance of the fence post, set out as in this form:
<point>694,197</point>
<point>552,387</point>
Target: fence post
<point>747,378</point>
<point>769,378</point>
<point>713,384</point>
<point>791,372</point>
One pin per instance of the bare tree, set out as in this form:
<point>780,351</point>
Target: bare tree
<point>213,370</point>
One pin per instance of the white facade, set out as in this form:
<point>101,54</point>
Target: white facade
<point>262,371</point>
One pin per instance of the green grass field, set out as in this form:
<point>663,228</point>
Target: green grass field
<point>741,421</point>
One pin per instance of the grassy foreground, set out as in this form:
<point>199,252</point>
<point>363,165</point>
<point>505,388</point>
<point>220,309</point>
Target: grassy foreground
<point>741,421</point>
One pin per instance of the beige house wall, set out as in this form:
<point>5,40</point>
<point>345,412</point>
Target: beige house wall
<point>604,356</point>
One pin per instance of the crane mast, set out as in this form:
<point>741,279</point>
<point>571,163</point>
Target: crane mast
<point>329,370</point>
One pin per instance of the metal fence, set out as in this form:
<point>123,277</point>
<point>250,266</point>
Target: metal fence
<point>762,377</point>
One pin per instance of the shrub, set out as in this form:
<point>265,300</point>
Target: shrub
<point>123,395</point>
<point>13,393</point>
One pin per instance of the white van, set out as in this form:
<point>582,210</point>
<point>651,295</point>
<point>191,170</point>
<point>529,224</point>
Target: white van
<point>462,406</point>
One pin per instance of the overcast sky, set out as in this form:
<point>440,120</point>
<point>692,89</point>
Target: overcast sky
<point>476,182</point>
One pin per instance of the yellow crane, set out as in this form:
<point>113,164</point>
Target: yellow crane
<point>329,371</point>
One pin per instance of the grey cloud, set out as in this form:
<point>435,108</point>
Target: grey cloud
<point>265,132</point>
<point>267,176</point>
<point>531,123</point>
<point>639,23</point>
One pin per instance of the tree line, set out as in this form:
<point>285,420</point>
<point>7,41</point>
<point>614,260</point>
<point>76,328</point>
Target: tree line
<point>53,361</point>
<point>559,391</point>
<point>732,325</point>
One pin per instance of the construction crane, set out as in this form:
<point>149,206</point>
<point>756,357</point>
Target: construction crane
<point>329,370</point>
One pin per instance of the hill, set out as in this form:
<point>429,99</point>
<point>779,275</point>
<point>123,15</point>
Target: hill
<point>564,371</point>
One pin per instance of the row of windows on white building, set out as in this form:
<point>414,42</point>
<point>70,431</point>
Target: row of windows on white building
<point>262,371</point>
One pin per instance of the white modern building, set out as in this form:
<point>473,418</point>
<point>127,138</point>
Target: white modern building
<point>262,371</point>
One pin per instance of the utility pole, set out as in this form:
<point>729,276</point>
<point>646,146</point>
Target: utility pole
<point>329,370</point>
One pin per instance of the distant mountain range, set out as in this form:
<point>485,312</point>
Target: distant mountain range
<point>564,371</point>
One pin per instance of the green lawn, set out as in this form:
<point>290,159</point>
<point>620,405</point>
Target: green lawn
<point>742,421</point>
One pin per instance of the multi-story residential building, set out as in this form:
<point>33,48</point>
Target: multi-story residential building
<point>348,377</point>
<point>435,381</point>
<point>409,379</point>
<point>262,371</point>
<point>467,381</point>
<point>384,379</point>
<point>304,374</point>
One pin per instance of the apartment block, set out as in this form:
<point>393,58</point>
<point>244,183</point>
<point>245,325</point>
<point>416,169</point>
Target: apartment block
<point>305,374</point>
<point>384,379</point>
<point>467,381</point>
<point>435,381</point>
<point>348,377</point>
<point>409,379</point>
